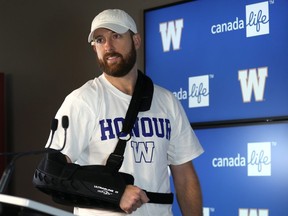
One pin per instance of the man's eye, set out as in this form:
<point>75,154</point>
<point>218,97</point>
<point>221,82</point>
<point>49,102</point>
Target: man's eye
<point>98,40</point>
<point>116,36</point>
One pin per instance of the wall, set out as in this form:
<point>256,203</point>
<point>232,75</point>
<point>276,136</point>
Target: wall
<point>44,54</point>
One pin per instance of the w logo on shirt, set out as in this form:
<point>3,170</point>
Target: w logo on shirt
<point>143,151</point>
<point>171,33</point>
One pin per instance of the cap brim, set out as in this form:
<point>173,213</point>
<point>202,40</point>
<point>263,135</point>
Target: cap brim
<point>111,26</point>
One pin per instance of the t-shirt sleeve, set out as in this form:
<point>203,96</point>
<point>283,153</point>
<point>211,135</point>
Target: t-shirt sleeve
<point>79,129</point>
<point>184,144</point>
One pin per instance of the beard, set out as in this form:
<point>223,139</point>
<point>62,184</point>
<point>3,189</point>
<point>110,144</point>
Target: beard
<point>123,67</point>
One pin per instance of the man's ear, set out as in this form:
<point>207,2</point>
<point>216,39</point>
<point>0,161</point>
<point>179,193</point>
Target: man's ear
<point>94,48</point>
<point>137,40</point>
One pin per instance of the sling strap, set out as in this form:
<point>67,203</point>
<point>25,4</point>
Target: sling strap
<point>141,101</point>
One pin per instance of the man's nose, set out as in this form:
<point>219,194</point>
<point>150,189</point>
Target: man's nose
<point>109,45</point>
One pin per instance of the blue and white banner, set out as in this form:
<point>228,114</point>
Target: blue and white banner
<point>223,59</point>
<point>244,173</point>
<point>227,60</point>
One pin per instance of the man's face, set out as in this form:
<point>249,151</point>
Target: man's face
<point>116,52</point>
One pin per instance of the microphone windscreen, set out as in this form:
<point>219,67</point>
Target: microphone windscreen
<point>65,122</point>
<point>54,124</point>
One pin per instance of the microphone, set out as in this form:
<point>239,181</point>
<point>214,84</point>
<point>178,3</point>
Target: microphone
<point>54,126</point>
<point>65,122</point>
<point>6,176</point>
<point>65,125</point>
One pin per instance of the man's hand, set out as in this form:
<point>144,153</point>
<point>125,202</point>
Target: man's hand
<point>132,198</point>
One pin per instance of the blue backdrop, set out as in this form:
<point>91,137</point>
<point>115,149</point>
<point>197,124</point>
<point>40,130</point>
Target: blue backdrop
<point>224,59</point>
<point>245,170</point>
<point>227,61</point>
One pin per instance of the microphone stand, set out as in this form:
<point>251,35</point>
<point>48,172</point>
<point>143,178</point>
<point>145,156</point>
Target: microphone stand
<point>6,176</point>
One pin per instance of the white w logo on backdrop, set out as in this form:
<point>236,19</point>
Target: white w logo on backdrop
<point>171,33</point>
<point>253,212</point>
<point>253,80</point>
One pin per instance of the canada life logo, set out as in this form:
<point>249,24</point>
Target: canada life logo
<point>257,19</point>
<point>198,91</point>
<point>259,159</point>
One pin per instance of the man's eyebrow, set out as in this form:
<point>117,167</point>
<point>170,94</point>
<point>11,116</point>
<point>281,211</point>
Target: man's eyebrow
<point>97,35</point>
<point>102,34</point>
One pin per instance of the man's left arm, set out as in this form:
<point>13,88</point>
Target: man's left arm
<point>188,190</point>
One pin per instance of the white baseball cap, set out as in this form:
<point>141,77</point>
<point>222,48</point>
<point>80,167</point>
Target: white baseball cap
<point>114,19</point>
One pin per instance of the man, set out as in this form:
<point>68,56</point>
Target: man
<point>164,139</point>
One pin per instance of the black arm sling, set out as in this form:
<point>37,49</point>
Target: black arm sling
<point>97,186</point>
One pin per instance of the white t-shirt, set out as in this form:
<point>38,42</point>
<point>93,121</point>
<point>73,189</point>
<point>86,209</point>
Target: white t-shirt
<point>160,137</point>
